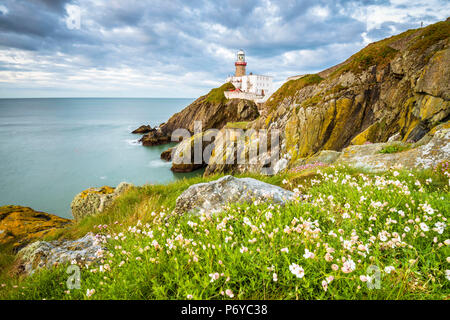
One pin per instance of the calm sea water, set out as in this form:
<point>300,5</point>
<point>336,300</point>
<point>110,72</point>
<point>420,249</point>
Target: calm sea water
<point>52,149</point>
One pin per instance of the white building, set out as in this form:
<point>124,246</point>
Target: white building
<point>252,86</point>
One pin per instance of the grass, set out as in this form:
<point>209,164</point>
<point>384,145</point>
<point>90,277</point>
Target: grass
<point>395,148</point>
<point>290,88</point>
<point>216,95</point>
<point>431,35</point>
<point>380,53</point>
<point>347,222</point>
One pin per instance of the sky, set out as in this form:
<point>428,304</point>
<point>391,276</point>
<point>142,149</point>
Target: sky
<point>181,48</point>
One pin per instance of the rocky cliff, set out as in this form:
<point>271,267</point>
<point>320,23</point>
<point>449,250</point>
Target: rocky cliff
<point>397,87</point>
<point>212,110</point>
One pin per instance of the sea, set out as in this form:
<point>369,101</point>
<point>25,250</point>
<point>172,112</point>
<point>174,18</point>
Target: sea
<point>54,148</point>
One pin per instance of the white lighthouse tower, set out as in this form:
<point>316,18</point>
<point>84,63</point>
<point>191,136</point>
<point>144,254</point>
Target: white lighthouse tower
<point>252,86</point>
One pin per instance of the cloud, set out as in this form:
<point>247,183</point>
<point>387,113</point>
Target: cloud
<point>183,48</point>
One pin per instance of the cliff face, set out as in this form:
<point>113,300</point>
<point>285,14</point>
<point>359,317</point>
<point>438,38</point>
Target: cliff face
<point>397,86</point>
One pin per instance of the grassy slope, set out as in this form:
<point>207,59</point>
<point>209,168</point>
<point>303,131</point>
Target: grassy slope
<point>243,245</point>
<point>217,95</point>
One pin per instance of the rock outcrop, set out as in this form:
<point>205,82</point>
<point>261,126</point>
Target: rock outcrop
<point>43,254</point>
<point>213,111</point>
<point>167,154</point>
<point>21,225</point>
<point>212,197</point>
<point>394,87</point>
<point>155,137</point>
<point>143,129</point>
<point>96,200</point>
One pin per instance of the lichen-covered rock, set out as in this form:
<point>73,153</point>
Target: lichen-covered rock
<point>424,156</point>
<point>212,197</point>
<point>95,200</point>
<point>43,254</point>
<point>21,225</point>
<point>324,156</point>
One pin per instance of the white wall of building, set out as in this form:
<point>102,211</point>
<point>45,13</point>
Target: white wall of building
<point>253,83</point>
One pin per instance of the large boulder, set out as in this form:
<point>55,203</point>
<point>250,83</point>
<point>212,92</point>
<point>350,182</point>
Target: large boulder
<point>214,196</point>
<point>21,225</point>
<point>43,254</point>
<point>96,200</point>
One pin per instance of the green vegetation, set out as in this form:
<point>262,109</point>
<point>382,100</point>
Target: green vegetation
<point>290,88</point>
<point>216,95</point>
<point>321,246</point>
<point>394,148</point>
<point>377,53</point>
<point>431,35</point>
<point>380,53</point>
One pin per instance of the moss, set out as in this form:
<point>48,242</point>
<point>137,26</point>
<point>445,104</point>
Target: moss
<point>237,125</point>
<point>290,88</point>
<point>217,95</point>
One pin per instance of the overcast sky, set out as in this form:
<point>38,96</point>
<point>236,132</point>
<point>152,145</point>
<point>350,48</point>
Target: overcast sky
<point>183,48</point>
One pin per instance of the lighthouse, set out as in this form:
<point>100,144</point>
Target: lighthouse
<point>240,64</point>
<point>252,86</point>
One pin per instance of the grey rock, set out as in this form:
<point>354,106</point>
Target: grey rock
<point>324,156</point>
<point>213,196</point>
<point>395,137</point>
<point>43,254</point>
<point>422,157</point>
